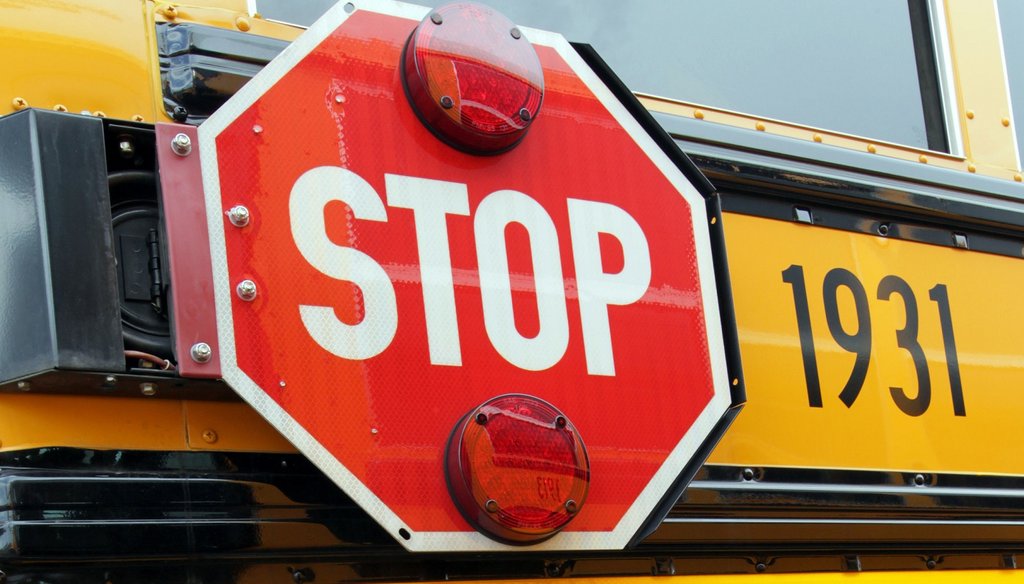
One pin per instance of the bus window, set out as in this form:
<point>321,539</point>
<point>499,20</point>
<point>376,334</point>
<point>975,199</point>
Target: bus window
<point>845,66</point>
<point>862,68</point>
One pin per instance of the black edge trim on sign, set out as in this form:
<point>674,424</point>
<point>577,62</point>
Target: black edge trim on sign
<point>713,210</point>
<point>644,117</point>
<point>668,503</point>
<point>726,310</point>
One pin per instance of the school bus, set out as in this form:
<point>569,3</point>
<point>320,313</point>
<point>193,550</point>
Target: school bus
<point>867,159</point>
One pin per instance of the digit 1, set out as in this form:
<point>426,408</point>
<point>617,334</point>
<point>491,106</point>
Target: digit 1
<point>940,296</point>
<point>794,275</point>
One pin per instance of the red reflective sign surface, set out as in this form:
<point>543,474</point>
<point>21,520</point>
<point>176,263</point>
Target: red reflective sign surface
<point>571,275</point>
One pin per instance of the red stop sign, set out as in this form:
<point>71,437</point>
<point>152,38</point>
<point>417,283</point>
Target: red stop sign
<point>386,284</point>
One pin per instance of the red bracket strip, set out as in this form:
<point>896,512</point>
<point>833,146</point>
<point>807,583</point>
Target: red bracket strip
<point>194,318</point>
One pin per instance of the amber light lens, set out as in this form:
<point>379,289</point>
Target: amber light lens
<point>473,78</point>
<point>517,469</point>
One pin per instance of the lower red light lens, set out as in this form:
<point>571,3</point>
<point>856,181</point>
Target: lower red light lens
<point>517,469</point>
<point>473,78</point>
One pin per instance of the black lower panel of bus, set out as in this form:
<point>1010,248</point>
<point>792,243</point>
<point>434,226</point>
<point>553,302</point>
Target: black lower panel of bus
<point>111,516</point>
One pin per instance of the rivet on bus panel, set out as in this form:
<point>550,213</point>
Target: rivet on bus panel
<point>1005,122</point>
<point>817,138</point>
<point>137,118</point>
<point>872,148</point>
<point>698,114</point>
<point>209,436</point>
<point>169,12</point>
<point>60,108</point>
<point>19,103</point>
<point>1017,177</point>
<point>922,159</point>
<point>242,24</point>
<point>99,114</point>
<point>970,114</point>
<point>759,126</point>
<point>971,167</point>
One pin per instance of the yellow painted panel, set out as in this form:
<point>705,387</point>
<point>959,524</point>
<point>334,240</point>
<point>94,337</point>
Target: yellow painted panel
<point>231,426</point>
<point>780,427</point>
<point>92,56</point>
<point>34,421</point>
<point>981,83</point>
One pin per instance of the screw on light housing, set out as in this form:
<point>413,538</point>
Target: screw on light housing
<point>470,76</point>
<point>517,469</point>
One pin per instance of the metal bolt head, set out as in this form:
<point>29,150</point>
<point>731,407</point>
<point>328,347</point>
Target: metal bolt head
<point>491,505</point>
<point>524,114</point>
<point>147,388</point>
<point>571,507</point>
<point>181,144</point>
<point>447,102</point>
<point>516,33</point>
<point>246,290</point>
<point>209,436</point>
<point>201,352</point>
<point>436,18</point>
<point>238,215</point>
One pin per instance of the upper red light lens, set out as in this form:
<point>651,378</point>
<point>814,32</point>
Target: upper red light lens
<point>517,469</point>
<point>473,78</point>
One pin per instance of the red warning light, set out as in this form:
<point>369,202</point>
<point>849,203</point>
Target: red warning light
<point>517,469</point>
<point>473,78</point>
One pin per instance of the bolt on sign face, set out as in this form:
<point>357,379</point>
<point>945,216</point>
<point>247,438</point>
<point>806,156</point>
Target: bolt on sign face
<point>481,350</point>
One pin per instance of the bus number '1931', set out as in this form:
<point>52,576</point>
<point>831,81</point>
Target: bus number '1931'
<point>858,341</point>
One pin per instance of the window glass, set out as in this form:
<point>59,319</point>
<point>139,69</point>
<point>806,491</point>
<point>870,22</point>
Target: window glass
<point>1011,16</point>
<point>843,65</point>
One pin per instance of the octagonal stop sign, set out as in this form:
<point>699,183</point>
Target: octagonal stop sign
<point>384,284</point>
